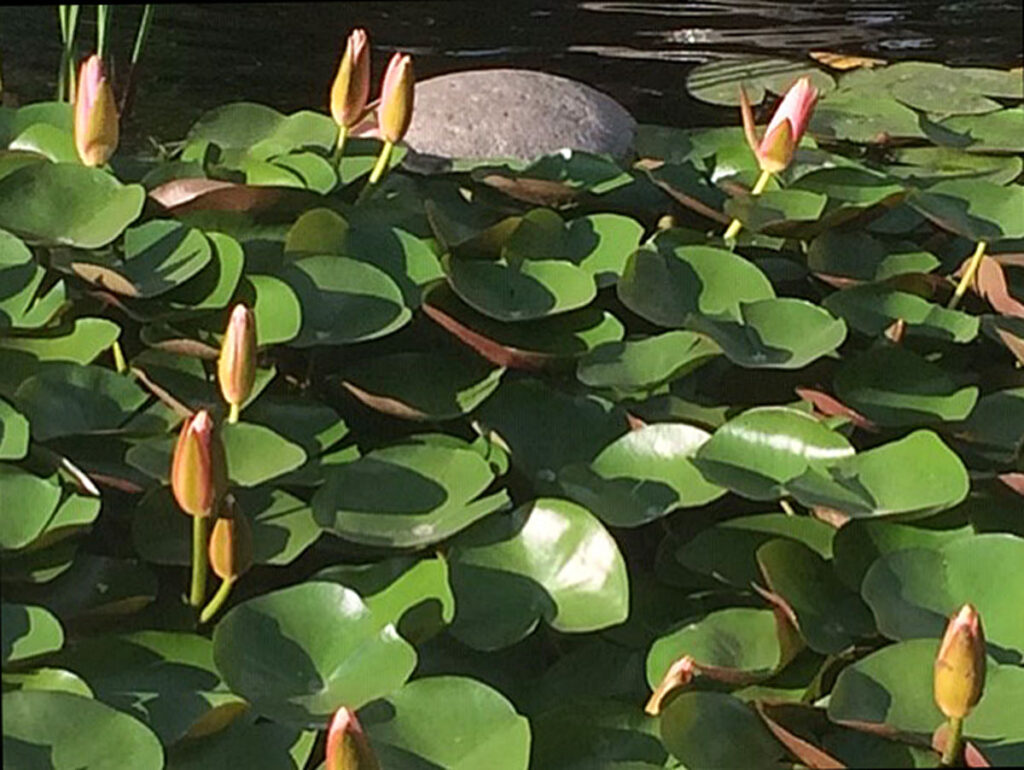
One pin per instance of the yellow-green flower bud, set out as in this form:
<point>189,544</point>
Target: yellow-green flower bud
<point>351,89</point>
<point>95,127</point>
<point>230,543</point>
<point>198,470</point>
<point>236,367</point>
<point>960,664</point>
<point>347,745</point>
<point>395,111</point>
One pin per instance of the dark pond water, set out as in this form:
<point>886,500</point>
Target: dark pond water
<point>284,55</point>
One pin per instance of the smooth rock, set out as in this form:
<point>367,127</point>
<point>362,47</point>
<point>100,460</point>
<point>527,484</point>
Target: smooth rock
<point>514,113</point>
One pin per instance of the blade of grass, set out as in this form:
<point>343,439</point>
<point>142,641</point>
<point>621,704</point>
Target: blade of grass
<point>104,13</point>
<point>141,36</point>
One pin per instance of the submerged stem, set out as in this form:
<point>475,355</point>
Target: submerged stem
<point>968,277</point>
<point>735,226</point>
<point>200,531</point>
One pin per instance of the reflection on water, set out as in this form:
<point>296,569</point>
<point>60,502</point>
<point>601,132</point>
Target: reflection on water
<point>639,52</point>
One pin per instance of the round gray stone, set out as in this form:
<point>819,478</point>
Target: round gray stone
<point>514,113</point>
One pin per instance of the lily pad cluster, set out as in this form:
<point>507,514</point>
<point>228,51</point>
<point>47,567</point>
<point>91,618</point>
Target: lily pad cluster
<point>522,437</point>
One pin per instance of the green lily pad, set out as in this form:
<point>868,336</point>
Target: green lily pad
<point>68,204</point>
<point>70,732</point>
<point>776,212</point>
<point>873,308</point>
<point>860,256</point>
<point>669,286</point>
<point>646,362</point>
<point>444,386</point>
<point>165,679</point>
<point>913,592</point>
<point>282,526</point>
<point>256,454</point>
<point>214,286</point>
<point>777,333</point>
<point>530,290</point>
<point>926,165</point>
<point>973,208</point>
<point>738,644</point>
<point>410,494</point>
<point>49,679</point>
<point>893,386</point>
<point>548,559</point>
<point>829,616</point>
<point>259,746</point>
<point>262,131</point>
<point>719,82</point>
<point>471,726</point>
<point>276,310</point>
<point>300,653</point>
<point>711,729</point>
<point>29,631</point>
<point>943,96</point>
<point>20,276</point>
<point>760,452</point>
<point>728,550</point>
<point>344,300</point>
<point>996,424</point>
<point>642,476</point>
<point>994,132</point>
<point>14,432</point>
<point>81,343</point>
<point>95,587</point>
<point>858,115</point>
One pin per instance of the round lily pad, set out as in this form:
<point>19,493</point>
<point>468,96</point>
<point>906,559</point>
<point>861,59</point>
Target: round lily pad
<point>712,729</point>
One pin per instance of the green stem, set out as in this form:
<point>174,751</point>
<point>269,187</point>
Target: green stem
<point>200,533</point>
<point>141,35</point>
<point>735,226</point>
<point>119,362</point>
<point>233,413</point>
<point>787,508</point>
<point>954,738</point>
<point>217,601</point>
<point>68,17</point>
<point>103,16</point>
<point>968,276</point>
<point>339,148</point>
<point>382,163</point>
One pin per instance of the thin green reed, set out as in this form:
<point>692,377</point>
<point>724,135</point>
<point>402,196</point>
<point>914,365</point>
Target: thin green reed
<point>141,35</point>
<point>68,17</point>
<point>104,13</point>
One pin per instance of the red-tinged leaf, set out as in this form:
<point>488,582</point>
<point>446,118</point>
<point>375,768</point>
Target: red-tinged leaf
<point>991,283</point>
<point>833,407</point>
<point>1014,481</point>
<point>543,192</point>
<point>385,404</point>
<point>201,194</point>
<point>502,355</point>
<point>809,754</point>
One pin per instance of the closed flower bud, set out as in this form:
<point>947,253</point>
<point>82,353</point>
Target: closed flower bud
<point>230,543</point>
<point>775,151</point>
<point>347,745</point>
<point>236,367</point>
<point>198,470</point>
<point>95,128</point>
<point>351,89</point>
<point>395,111</point>
<point>960,664</point>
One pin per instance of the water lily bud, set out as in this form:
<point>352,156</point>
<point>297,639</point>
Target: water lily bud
<point>95,129</point>
<point>351,89</point>
<point>347,745</point>
<point>395,111</point>
<point>960,664</point>
<point>198,470</point>
<point>236,367</point>
<point>230,543</point>
<point>775,151</point>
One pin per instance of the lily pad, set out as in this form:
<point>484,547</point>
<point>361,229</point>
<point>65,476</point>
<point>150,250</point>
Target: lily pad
<point>712,729</point>
<point>300,653</point>
<point>873,308</point>
<point>645,362</point>
<point>973,208</point>
<point>719,82</point>
<point>29,631</point>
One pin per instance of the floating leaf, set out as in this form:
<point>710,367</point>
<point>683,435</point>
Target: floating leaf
<point>719,82</point>
<point>646,362</point>
<point>711,729</point>
<point>29,631</point>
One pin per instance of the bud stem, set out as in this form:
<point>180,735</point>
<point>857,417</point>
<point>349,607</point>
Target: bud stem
<point>339,148</point>
<point>119,362</point>
<point>968,276</point>
<point>233,412</point>
<point>217,601</point>
<point>382,163</point>
<point>736,225</point>
<point>200,534</point>
<point>954,738</point>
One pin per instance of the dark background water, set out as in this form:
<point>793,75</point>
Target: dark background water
<point>285,55</point>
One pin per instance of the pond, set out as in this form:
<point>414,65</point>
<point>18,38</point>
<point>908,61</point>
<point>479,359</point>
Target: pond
<point>284,55</point>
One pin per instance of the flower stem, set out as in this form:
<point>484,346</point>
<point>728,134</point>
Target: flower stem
<point>217,601</point>
<point>200,533</point>
<point>119,362</point>
<point>735,226</point>
<point>382,163</point>
<point>968,276</point>
<point>339,148</point>
<point>233,413</point>
<point>954,738</point>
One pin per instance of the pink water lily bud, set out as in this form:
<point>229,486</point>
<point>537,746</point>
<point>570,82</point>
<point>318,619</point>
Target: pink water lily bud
<point>347,745</point>
<point>787,126</point>
<point>351,89</point>
<point>960,664</point>
<point>198,469</point>
<point>230,547</point>
<point>395,111</point>
<point>236,367</point>
<point>95,129</point>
